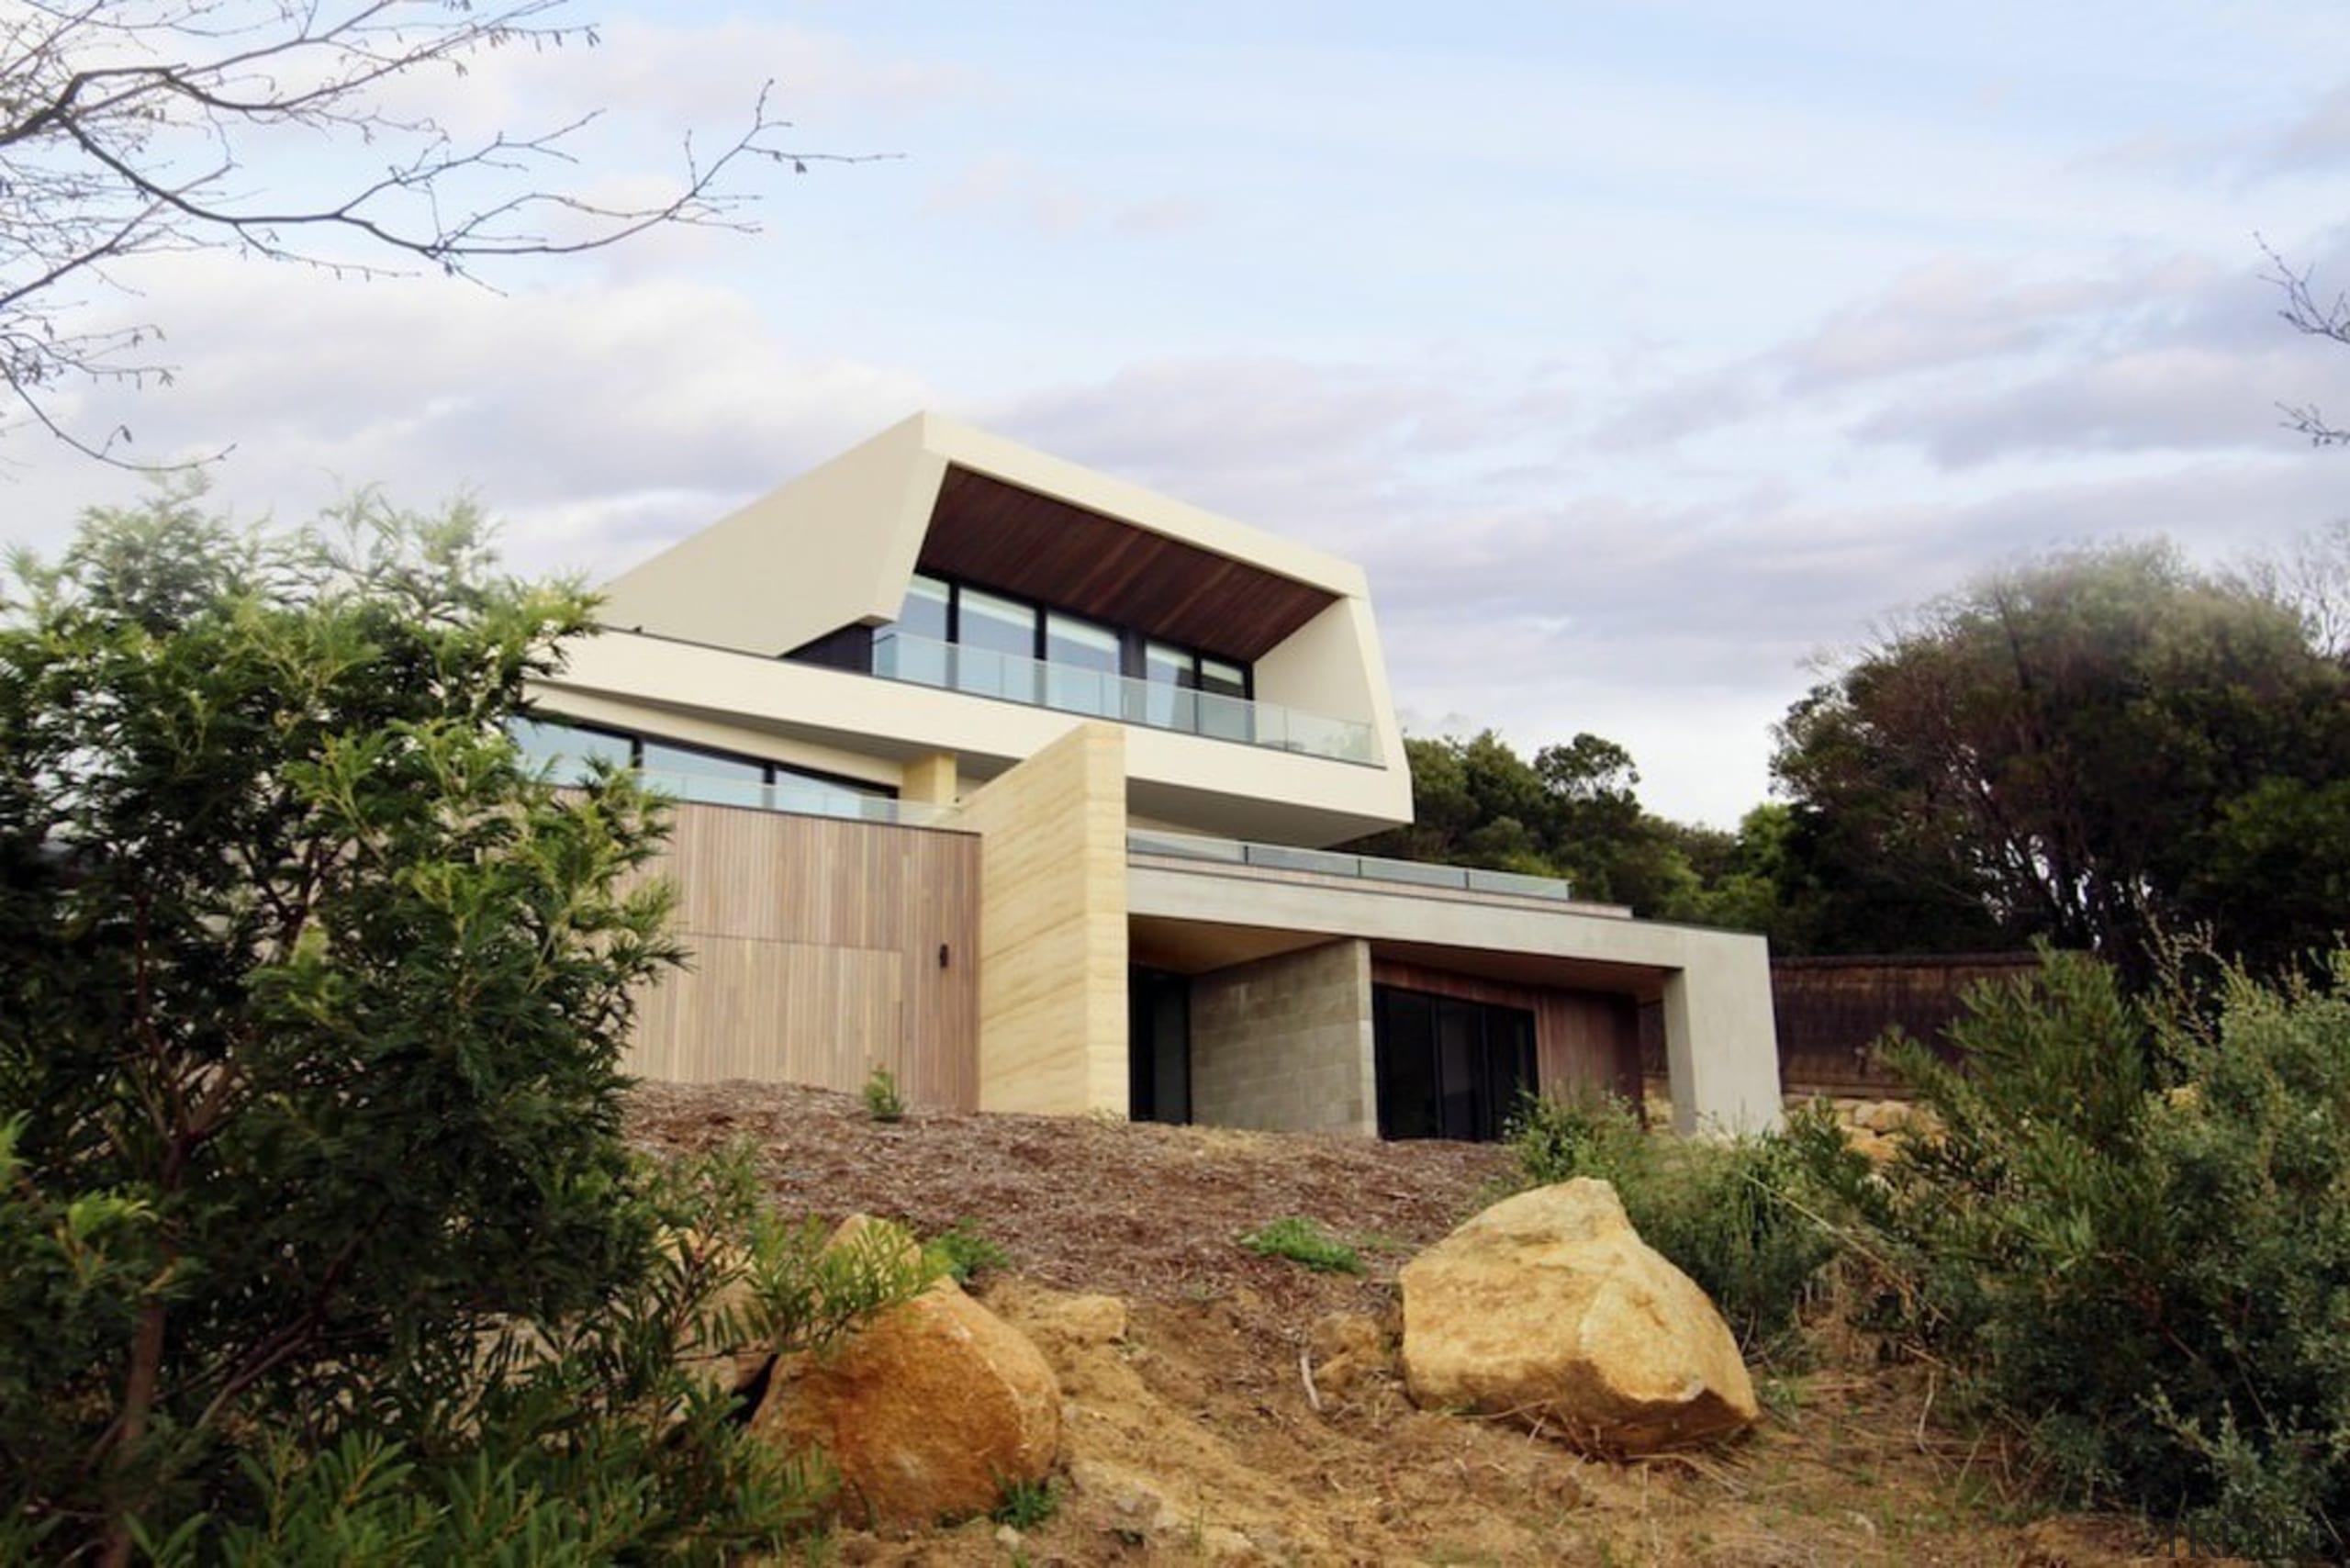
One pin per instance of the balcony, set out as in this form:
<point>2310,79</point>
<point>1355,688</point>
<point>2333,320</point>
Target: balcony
<point>1229,852</point>
<point>790,797</point>
<point>1102,694</point>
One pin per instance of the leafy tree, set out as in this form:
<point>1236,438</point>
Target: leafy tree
<point>311,1004</point>
<point>1570,812</point>
<point>2081,749</point>
<point>129,127</point>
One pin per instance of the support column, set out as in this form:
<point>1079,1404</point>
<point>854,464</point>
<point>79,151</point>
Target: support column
<point>1721,1046</point>
<point>929,779</point>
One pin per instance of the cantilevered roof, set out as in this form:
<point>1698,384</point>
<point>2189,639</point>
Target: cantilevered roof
<point>834,548</point>
<point>991,532</point>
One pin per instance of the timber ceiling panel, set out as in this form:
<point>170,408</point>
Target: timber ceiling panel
<point>999,535</point>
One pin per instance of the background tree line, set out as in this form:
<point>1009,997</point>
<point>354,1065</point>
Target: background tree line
<point>2092,747</point>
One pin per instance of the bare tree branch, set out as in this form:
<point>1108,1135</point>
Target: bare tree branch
<point>2306,313</point>
<point>133,128</point>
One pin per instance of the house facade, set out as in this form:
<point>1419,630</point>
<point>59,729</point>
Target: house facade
<point>1020,781</point>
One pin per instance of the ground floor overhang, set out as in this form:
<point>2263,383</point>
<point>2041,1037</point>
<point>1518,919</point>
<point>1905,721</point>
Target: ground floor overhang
<point>1711,988</point>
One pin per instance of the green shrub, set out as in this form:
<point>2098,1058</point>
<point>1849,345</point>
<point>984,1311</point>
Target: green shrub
<point>1741,1217</point>
<point>319,1237</point>
<point>2133,1232</point>
<point>1026,1504</point>
<point>1303,1241</point>
<point>962,1250</point>
<point>882,1101</point>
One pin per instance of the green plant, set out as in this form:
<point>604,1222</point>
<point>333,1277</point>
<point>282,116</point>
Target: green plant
<point>1026,1504</point>
<point>2133,1231</point>
<point>962,1250</point>
<point>882,1101</point>
<point>1305,1242</point>
<point>1739,1216</point>
<point>319,1240</point>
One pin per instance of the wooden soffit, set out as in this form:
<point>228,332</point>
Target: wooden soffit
<point>995,535</point>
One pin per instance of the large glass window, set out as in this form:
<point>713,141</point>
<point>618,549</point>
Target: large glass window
<point>568,751</point>
<point>995,646</point>
<point>1169,675</point>
<point>692,772</point>
<point>1080,665</point>
<point>1224,701</point>
<point>968,639</point>
<point>1448,1067</point>
<point>923,614</point>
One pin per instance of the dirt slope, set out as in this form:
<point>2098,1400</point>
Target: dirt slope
<point>1195,1436</point>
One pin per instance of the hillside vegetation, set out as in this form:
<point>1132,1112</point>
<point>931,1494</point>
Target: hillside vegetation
<point>1202,1406</point>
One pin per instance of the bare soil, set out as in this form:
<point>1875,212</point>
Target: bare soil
<point>1226,1425</point>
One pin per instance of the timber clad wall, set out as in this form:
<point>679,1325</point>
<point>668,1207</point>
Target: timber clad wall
<point>1580,1037</point>
<point>814,950</point>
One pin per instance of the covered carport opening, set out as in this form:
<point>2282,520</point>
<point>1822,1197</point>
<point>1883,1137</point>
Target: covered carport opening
<point>1243,1025</point>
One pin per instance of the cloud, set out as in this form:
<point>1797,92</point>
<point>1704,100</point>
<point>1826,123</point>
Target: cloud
<point>1005,188</point>
<point>601,416</point>
<point>2317,139</point>
<point>2173,400</point>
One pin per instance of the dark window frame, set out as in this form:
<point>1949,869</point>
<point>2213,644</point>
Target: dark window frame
<point>792,772</point>
<point>1132,640</point>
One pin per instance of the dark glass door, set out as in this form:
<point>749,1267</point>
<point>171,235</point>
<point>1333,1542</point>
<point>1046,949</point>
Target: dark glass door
<point>1158,1046</point>
<point>1449,1068</point>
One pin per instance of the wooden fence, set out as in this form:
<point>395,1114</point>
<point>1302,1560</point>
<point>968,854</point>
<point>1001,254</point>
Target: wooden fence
<point>1831,1010</point>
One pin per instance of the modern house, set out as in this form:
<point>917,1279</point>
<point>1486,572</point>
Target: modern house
<point>1019,781</point>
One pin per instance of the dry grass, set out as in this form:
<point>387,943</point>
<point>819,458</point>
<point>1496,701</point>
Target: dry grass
<point>1197,1434</point>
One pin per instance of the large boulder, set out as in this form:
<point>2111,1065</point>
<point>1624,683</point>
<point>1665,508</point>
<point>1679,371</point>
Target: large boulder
<point>928,1411</point>
<point>1549,1309</point>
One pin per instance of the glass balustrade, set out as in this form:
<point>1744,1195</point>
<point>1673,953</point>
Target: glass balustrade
<point>795,797</point>
<point>1334,863</point>
<point>1102,694</point>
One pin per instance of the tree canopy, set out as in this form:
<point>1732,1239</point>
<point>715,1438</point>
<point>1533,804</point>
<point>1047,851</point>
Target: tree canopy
<point>2092,748</point>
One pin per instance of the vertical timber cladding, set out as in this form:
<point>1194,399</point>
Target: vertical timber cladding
<point>1582,1038</point>
<point>814,952</point>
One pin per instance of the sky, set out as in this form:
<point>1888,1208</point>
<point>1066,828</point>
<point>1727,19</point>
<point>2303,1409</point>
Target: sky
<point>1648,356</point>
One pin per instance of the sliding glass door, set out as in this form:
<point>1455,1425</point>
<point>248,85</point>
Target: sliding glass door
<point>1449,1068</point>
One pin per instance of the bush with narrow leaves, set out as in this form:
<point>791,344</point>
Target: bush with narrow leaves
<point>2132,1232</point>
<point>319,1240</point>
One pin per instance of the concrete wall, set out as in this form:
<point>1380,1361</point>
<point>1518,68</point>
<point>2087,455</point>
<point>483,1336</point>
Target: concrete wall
<point>1284,1043</point>
<point>1053,928</point>
<point>832,547</point>
<point>766,707</point>
<point>1720,1042</point>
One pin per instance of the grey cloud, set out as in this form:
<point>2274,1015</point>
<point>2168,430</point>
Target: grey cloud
<point>2165,399</point>
<point>2319,138</point>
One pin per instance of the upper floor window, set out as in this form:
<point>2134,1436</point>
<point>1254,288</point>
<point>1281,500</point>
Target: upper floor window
<point>569,751</point>
<point>970,638</point>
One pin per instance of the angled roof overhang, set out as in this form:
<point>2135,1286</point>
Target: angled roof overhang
<point>991,532</point>
<point>834,548</point>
